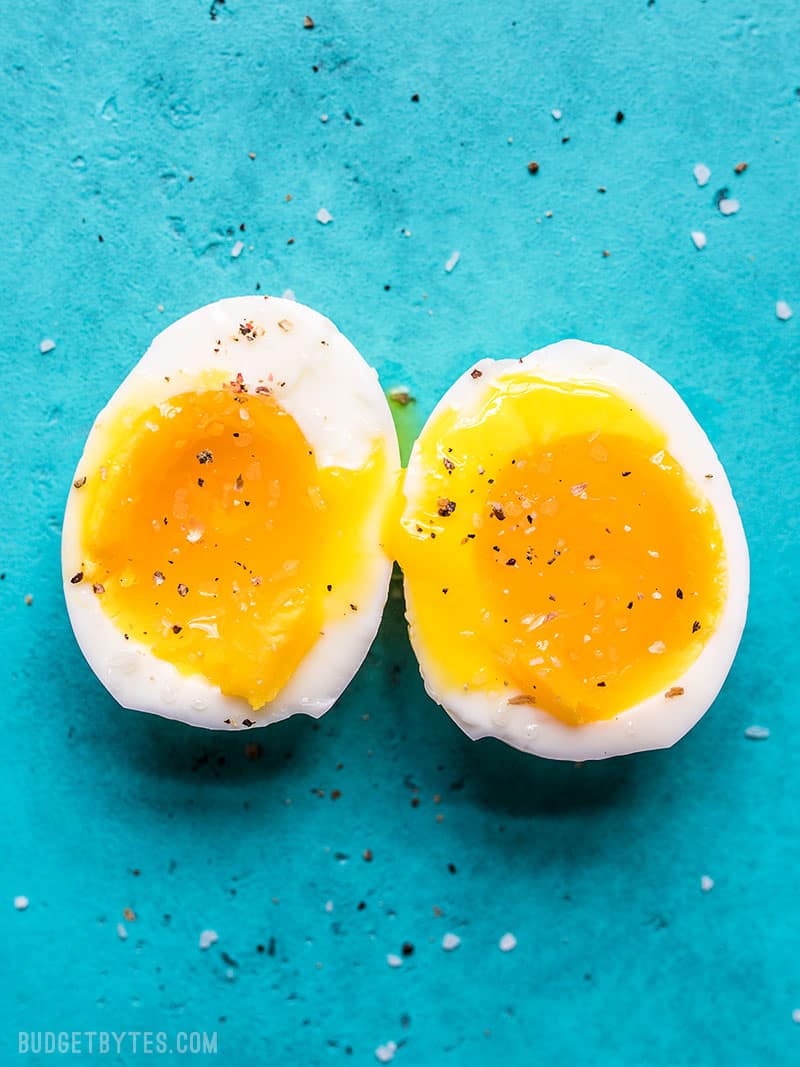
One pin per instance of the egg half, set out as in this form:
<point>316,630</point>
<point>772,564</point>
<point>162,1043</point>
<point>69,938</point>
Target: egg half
<point>576,572</point>
<point>222,553</point>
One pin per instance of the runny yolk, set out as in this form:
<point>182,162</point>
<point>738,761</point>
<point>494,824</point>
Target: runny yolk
<point>554,549</point>
<point>211,535</point>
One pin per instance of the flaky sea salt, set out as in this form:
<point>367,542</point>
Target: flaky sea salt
<point>699,239</point>
<point>729,206</point>
<point>783,311</point>
<point>324,216</point>
<point>450,942</point>
<point>507,943</point>
<point>237,250</point>
<point>393,960</point>
<point>122,933</point>
<point>701,174</point>
<point>47,345</point>
<point>385,1053</point>
<point>208,938</point>
<point>450,265</point>
<point>756,733</point>
<point>556,114</point>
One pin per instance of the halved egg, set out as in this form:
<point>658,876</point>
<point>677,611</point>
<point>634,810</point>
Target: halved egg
<point>576,572</point>
<point>221,549</point>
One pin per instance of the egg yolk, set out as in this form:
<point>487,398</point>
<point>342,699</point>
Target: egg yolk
<point>554,549</point>
<point>211,535</point>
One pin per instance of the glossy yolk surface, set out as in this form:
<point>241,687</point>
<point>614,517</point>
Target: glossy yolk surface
<point>211,536</point>
<point>554,549</point>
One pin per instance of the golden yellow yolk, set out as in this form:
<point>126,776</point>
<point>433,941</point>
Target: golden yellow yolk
<point>555,549</point>
<point>211,536</point>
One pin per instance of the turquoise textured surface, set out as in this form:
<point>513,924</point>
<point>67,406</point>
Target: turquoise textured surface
<point>127,132</point>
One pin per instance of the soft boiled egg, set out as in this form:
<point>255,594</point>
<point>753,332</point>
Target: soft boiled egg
<point>221,548</point>
<point>576,572</point>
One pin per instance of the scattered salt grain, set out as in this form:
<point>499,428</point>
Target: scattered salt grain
<point>47,345</point>
<point>329,906</point>
<point>394,961</point>
<point>507,943</point>
<point>450,265</point>
<point>122,933</point>
<point>323,118</point>
<point>324,216</point>
<point>729,206</point>
<point>796,1015</point>
<point>756,733</point>
<point>288,294</point>
<point>699,239</point>
<point>783,311</point>
<point>701,174</point>
<point>208,938</point>
<point>21,903</point>
<point>385,1053</point>
<point>450,942</point>
<point>657,648</point>
<point>706,883</point>
<point>556,114</point>
<point>237,250</point>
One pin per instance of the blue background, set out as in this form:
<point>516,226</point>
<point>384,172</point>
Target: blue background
<point>107,109</point>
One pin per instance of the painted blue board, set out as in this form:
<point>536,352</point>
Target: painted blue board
<point>126,132</point>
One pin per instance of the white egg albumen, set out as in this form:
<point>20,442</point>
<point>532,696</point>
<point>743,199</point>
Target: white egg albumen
<point>657,722</point>
<point>335,397</point>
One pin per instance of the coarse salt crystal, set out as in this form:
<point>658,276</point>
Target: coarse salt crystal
<point>393,960</point>
<point>556,114</point>
<point>706,883</point>
<point>208,938</point>
<point>756,733</point>
<point>450,941</point>
<point>657,648</point>
<point>47,345</point>
<point>237,249</point>
<point>796,1015</point>
<point>699,239</point>
<point>323,118</point>
<point>385,1053</point>
<point>783,311</point>
<point>452,261</point>
<point>329,906</point>
<point>701,174</point>
<point>21,903</point>
<point>507,943</point>
<point>324,216</point>
<point>122,933</point>
<point>729,206</point>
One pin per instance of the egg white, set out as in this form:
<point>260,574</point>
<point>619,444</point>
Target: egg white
<point>336,399</point>
<point>657,722</point>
